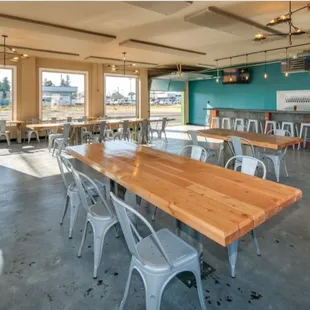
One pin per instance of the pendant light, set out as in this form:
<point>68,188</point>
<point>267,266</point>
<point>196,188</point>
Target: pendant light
<point>286,65</point>
<point>217,72</point>
<point>246,66</point>
<point>230,78</point>
<point>265,74</point>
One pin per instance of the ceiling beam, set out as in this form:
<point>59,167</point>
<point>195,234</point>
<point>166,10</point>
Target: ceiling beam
<point>54,29</point>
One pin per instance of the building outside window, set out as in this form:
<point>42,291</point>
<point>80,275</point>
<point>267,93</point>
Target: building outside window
<point>62,94</point>
<point>120,96</point>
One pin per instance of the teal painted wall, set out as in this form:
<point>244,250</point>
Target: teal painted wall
<point>260,93</point>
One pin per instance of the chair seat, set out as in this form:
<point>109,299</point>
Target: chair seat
<point>99,210</point>
<point>178,251</point>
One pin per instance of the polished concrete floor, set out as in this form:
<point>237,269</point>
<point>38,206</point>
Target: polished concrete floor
<point>39,268</point>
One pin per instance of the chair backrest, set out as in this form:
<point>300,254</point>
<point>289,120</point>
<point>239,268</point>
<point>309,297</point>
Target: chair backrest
<point>143,131</point>
<point>192,134</point>
<point>102,126</point>
<point>164,123</point>
<point>69,119</point>
<point>279,132</point>
<point>85,194</point>
<point>65,167</point>
<point>66,131</point>
<point>248,164</point>
<point>235,144</point>
<point>2,125</point>
<point>130,232</point>
<point>196,152</point>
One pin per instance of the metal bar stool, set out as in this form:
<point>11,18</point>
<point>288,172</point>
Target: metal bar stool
<point>289,126</point>
<point>272,124</point>
<point>239,122</point>
<point>302,127</point>
<point>215,122</point>
<point>226,121</point>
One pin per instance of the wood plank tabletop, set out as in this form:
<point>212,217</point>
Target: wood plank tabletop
<point>116,121</point>
<point>257,139</point>
<point>219,203</point>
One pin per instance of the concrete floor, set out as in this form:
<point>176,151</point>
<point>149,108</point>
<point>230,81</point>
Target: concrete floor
<point>39,268</point>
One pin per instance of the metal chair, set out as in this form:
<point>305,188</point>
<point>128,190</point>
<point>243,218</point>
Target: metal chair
<point>102,133</point>
<point>249,166</point>
<point>100,215</point>
<point>29,132</point>
<point>158,257</point>
<point>124,132</point>
<point>53,134</point>
<point>235,144</point>
<point>64,140</point>
<point>143,134</point>
<point>192,134</point>
<point>4,132</point>
<point>276,157</point>
<point>162,130</point>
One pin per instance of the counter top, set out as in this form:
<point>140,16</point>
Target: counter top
<point>262,111</point>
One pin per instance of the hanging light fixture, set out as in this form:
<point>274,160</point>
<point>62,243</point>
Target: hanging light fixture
<point>230,78</point>
<point>124,59</point>
<point>10,54</point>
<point>265,74</point>
<point>246,66</point>
<point>285,18</point>
<point>217,72</point>
<point>286,65</point>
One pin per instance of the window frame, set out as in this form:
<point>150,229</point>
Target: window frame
<point>64,71</point>
<point>14,90</point>
<point>121,76</point>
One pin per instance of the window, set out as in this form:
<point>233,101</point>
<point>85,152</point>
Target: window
<point>6,93</point>
<point>63,94</point>
<point>120,96</point>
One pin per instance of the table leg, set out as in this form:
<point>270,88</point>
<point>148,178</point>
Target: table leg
<point>232,255</point>
<point>19,133</point>
<point>120,192</point>
<point>194,238</point>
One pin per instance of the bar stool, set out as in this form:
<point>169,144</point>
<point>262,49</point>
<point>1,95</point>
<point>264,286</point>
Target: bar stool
<point>289,126</point>
<point>272,124</point>
<point>302,127</point>
<point>239,122</point>
<point>215,120</point>
<point>226,120</point>
<point>253,122</point>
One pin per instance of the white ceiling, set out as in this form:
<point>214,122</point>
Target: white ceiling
<point>128,21</point>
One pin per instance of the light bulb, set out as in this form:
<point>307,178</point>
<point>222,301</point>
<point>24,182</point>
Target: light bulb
<point>230,79</point>
<point>265,75</point>
<point>246,77</point>
<point>217,80</point>
<point>286,74</point>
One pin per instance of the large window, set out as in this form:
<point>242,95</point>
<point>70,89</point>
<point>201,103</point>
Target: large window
<point>63,94</point>
<point>120,96</point>
<point>6,93</point>
<point>166,104</point>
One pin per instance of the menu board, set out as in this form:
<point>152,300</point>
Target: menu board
<point>290,100</point>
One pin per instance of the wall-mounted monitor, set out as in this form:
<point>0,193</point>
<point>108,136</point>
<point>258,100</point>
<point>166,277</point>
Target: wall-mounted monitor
<point>236,76</point>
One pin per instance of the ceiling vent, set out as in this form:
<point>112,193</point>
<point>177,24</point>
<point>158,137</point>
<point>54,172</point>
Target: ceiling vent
<point>295,65</point>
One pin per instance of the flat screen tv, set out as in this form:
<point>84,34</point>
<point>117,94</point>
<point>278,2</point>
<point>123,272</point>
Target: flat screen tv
<point>236,76</point>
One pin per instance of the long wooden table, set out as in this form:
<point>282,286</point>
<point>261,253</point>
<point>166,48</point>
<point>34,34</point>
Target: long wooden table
<point>221,204</point>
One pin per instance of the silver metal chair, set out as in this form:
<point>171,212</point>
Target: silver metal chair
<point>162,130</point>
<point>276,157</point>
<point>100,215</point>
<point>249,166</point>
<point>4,132</point>
<point>29,132</point>
<point>143,136</point>
<point>192,134</point>
<point>72,195</point>
<point>63,141</point>
<point>158,257</point>
<point>195,152</point>
<point>102,133</point>
<point>235,144</point>
<point>124,132</point>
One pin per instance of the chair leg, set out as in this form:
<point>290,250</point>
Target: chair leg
<point>65,209</point>
<point>100,230</point>
<point>232,255</point>
<point>255,242</point>
<point>165,136</point>
<point>83,239</point>
<point>74,208</point>
<point>37,136</point>
<point>8,139</point>
<point>199,287</point>
<point>54,147</point>
<point>121,307</point>
<point>153,291</point>
<point>154,214</point>
<point>276,165</point>
<point>285,168</point>
<point>29,136</point>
